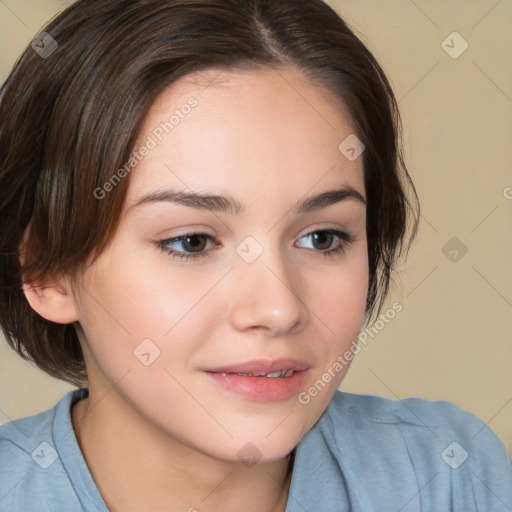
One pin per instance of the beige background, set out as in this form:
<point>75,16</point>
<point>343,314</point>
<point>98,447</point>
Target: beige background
<point>452,340</point>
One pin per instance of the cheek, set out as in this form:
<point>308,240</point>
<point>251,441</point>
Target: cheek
<point>124,303</point>
<point>341,304</point>
<point>341,309</point>
<point>343,297</point>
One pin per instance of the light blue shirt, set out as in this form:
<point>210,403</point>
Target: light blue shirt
<point>364,454</point>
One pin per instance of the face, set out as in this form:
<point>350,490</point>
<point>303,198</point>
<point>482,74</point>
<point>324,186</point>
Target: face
<point>188,287</point>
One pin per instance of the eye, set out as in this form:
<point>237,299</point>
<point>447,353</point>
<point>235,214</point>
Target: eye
<point>193,245</point>
<point>323,239</point>
<point>193,242</point>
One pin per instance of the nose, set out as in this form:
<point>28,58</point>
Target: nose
<point>267,296</point>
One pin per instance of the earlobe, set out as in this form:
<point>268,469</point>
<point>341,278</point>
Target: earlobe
<point>52,300</point>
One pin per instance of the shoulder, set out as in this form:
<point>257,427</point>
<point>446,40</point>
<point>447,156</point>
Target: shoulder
<point>407,411</point>
<point>421,423</point>
<point>18,440</point>
<point>445,454</point>
<point>30,459</point>
<point>415,417</point>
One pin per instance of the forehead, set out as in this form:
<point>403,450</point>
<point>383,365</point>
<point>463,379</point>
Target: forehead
<point>259,132</point>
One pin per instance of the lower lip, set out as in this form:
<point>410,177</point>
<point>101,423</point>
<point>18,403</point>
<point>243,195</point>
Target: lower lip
<point>262,389</point>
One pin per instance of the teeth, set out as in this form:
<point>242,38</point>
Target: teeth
<point>274,374</point>
<point>284,373</point>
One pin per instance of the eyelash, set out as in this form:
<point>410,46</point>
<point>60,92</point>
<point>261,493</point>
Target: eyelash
<point>345,238</point>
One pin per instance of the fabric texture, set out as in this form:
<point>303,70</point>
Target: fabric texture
<point>365,453</point>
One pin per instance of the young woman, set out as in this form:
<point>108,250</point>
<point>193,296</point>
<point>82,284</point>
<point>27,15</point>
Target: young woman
<point>201,204</point>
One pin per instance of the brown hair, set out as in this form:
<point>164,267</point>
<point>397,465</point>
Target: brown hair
<point>69,120</point>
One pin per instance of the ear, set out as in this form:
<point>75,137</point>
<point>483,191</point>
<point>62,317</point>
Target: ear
<point>52,297</point>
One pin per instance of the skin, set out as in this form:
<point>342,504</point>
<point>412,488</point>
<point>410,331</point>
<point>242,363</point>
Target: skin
<point>163,437</point>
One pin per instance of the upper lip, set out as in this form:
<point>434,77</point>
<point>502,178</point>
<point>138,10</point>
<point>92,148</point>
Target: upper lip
<point>262,365</point>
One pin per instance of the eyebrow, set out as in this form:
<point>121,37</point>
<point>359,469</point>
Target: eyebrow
<point>228,204</point>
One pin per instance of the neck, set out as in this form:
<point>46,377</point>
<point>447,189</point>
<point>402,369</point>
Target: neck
<point>137,467</point>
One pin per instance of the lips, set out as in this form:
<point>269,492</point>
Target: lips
<point>284,367</point>
<point>263,380</point>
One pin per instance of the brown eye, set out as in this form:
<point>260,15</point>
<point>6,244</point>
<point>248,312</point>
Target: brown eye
<point>323,239</point>
<point>193,245</point>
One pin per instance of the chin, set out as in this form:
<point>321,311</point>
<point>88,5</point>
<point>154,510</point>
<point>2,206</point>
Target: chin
<point>261,450</point>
